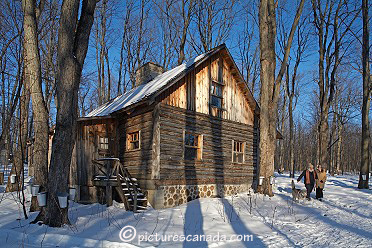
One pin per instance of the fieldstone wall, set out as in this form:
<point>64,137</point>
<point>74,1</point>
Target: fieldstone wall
<point>174,195</point>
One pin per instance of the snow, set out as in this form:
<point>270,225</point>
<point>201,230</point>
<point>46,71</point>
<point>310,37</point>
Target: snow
<point>343,219</point>
<point>144,90</point>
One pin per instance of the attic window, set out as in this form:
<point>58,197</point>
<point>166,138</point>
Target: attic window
<point>238,152</point>
<point>134,141</point>
<point>193,145</point>
<point>216,98</point>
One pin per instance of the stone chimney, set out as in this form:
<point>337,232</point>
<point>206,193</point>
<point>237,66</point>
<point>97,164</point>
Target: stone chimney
<point>147,72</point>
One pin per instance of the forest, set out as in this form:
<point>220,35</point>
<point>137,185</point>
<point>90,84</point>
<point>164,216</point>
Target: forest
<point>307,62</point>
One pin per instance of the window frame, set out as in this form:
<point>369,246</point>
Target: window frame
<point>218,84</point>
<point>233,152</point>
<point>129,141</point>
<point>199,147</point>
<point>100,143</point>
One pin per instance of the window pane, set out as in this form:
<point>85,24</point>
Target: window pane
<point>240,157</point>
<point>191,153</point>
<point>135,145</point>
<point>213,88</point>
<point>191,139</point>
<point>133,141</point>
<point>216,102</point>
<point>218,90</point>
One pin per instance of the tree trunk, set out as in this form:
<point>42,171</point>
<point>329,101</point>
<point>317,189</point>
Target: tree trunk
<point>70,62</point>
<point>270,87</point>
<point>291,139</point>
<point>339,145</point>
<point>268,112</point>
<point>323,140</point>
<point>39,110</point>
<point>364,163</point>
<point>281,142</point>
<point>331,145</point>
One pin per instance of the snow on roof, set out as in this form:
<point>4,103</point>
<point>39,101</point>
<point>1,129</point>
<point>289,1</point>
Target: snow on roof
<point>144,90</point>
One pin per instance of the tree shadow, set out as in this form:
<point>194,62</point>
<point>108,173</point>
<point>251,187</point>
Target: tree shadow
<point>238,225</point>
<point>193,224</point>
<point>344,185</point>
<point>318,215</point>
<point>346,210</point>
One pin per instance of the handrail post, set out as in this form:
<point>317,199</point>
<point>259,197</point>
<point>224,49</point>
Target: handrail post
<point>135,199</point>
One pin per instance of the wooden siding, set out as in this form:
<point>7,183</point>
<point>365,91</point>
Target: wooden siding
<point>86,148</point>
<point>216,165</point>
<point>139,162</point>
<point>193,91</point>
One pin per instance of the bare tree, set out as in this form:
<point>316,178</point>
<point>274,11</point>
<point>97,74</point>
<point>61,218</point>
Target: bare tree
<point>11,68</point>
<point>344,110</point>
<point>367,88</point>
<point>270,87</point>
<point>291,87</point>
<point>214,20</point>
<point>248,50</point>
<point>20,152</point>
<point>32,76</point>
<point>102,28</point>
<point>332,21</point>
<point>136,40</point>
<point>124,46</point>
<point>187,10</point>
<point>70,64</point>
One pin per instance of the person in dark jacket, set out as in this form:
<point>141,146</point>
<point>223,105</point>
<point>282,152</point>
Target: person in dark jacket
<point>309,179</point>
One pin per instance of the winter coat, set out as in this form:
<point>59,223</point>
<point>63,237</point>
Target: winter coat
<point>309,177</point>
<point>322,177</point>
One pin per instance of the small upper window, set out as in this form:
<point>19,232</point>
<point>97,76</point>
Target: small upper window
<point>216,98</point>
<point>133,141</point>
<point>193,146</point>
<point>238,152</point>
<point>216,92</point>
<point>103,143</point>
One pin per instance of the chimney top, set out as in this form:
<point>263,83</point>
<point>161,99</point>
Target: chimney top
<point>148,72</point>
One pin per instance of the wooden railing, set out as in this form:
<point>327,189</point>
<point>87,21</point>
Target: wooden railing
<point>114,174</point>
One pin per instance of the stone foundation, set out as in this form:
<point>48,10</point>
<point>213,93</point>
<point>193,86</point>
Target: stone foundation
<point>174,195</point>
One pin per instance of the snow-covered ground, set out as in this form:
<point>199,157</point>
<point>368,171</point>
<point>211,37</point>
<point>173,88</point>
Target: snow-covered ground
<point>343,219</point>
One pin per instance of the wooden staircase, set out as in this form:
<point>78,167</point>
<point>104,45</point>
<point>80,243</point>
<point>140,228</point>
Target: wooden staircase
<point>113,174</point>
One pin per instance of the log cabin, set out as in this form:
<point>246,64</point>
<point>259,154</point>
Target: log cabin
<point>181,134</point>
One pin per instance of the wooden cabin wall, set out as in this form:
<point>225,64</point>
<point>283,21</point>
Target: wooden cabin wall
<point>216,165</point>
<point>86,147</point>
<point>139,162</point>
<point>192,91</point>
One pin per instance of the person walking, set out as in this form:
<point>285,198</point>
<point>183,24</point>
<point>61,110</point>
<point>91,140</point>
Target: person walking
<point>309,179</point>
<point>320,182</point>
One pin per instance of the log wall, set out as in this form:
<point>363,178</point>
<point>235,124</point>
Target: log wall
<point>139,162</point>
<point>216,165</point>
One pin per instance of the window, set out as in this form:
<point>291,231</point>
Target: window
<point>133,141</point>
<point>103,143</point>
<point>216,98</point>
<point>238,152</point>
<point>193,146</point>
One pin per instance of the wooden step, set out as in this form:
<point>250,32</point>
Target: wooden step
<point>125,184</point>
<point>138,199</point>
<point>138,189</point>
<point>138,194</point>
